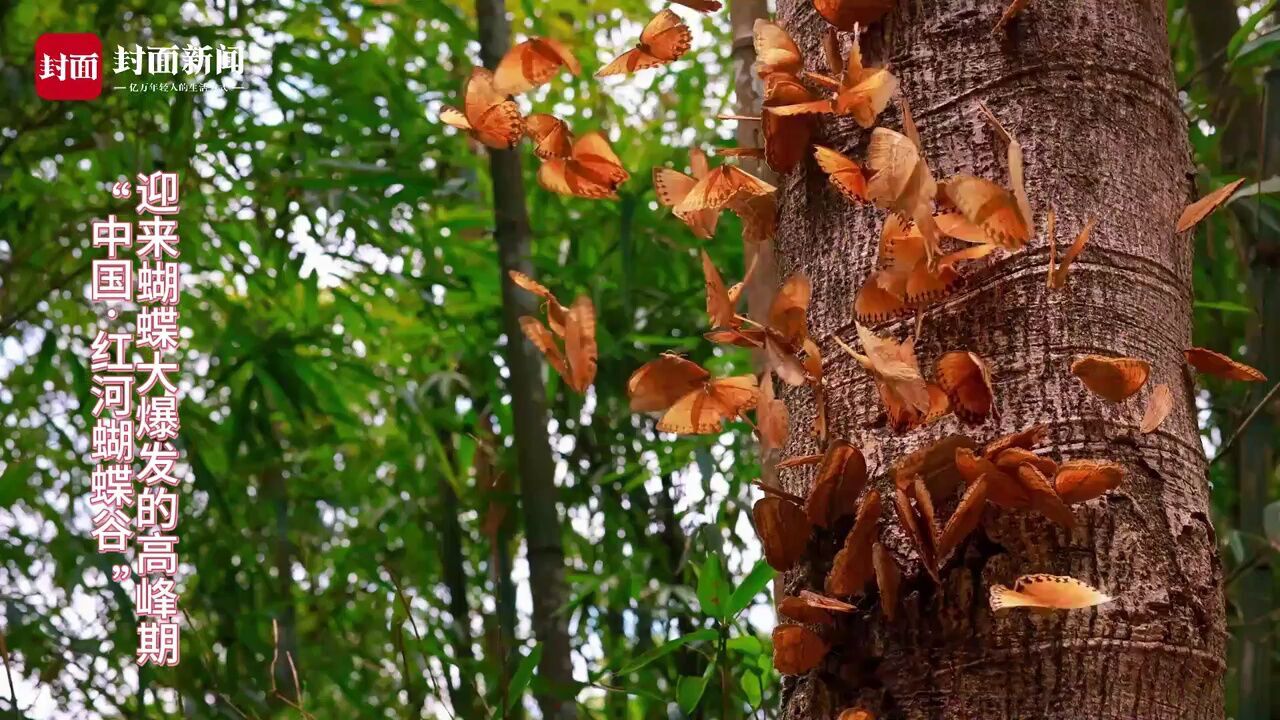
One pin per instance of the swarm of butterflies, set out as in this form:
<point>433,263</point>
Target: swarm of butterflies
<point>932,229</point>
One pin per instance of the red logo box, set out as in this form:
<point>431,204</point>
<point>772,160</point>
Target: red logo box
<point>68,66</point>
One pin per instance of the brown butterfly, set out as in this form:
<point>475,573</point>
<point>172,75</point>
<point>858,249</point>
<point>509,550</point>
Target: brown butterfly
<point>897,374</point>
<point>861,92</point>
<point>557,314</point>
<point>695,403</point>
<point>487,115</point>
<point>663,40</point>
<point>727,186</point>
<point>576,363</point>
<point>845,14</point>
<point>840,481</point>
<point>797,649</point>
<point>773,422</point>
<point>1111,378</point>
<point>1200,209</point>
<point>964,519</point>
<point>853,567</point>
<point>786,134</point>
<point>782,527</point>
<point>919,521</point>
<point>532,63</point>
<point>592,170</point>
<point>1083,480</point>
<point>673,186</point>
<point>936,463</point>
<point>1158,407</point>
<point>1058,275</point>
<point>966,380</point>
<point>990,207</point>
<point>812,609</point>
<point>1219,365</point>
<point>888,579</point>
<point>551,136</point>
<point>902,182</point>
<point>776,52</point>
<point>1051,592</point>
<point>722,302</point>
<point>856,713</point>
<point>844,174</point>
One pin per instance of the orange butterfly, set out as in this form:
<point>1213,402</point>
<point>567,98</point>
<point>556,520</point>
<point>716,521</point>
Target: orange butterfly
<point>695,403</point>
<point>551,136</point>
<point>1058,275</point>
<point>844,174</point>
<point>896,370</point>
<point>673,186</point>
<point>487,115</point>
<point>840,481</point>
<point>920,522</point>
<point>722,302</point>
<point>1050,592</point>
<point>902,182</point>
<point>727,186</point>
<point>1111,378</point>
<point>966,379</point>
<point>532,63</point>
<point>776,52</point>
<point>664,39</point>
<point>1219,365</point>
<point>991,208</point>
<point>1158,407</point>
<point>845,14</point>
<point>797,649</point>
<point>853,567</point>
<point>576,363</point>
<point>1200,209</point>
<point>1006,17</point>
<point>773,422</point>
<point>592,170</point>
<point>1080,481</point>
<point>861,91</point>
<point>782,527</point>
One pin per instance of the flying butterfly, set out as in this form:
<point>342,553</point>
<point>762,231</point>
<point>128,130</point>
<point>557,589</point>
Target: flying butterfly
<point>576,362</point>
<point>776,52</point>
<point>489,116</point>
<point>673,186</point>
<point>551,136</point>
<point>991,208</point>
<point>592,170</point>
<point>861,92</point>
<point>1048,592</point>
<point>662,41</point>
<point>693,401</point>
<point>727,186</point>
<point>532,63</point>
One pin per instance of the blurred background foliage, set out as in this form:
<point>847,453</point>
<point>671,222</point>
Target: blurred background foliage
<point>347,421</point>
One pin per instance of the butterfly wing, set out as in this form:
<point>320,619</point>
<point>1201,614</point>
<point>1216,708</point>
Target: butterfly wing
<point>454,117</point>
<point>991,208</point>
<point>495,120</point>
<point>843,173</point>
<point>1200,209</point>
<point>532,63</point>
<point>1219,365</point>
<point>666,37</point>
<point>776,52</point>
<point>844,14</point>
<point>661,382</point>
<point>544,340</point>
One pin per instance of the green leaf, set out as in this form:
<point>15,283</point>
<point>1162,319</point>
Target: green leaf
<point>746,644</point>
<point>689,690</point>
<point>703,635</point>
<point>752,688</point>
<point>713,589</point>
<point>1241,36</point>
<point>755,581</point>
<point>521,677</point>
<point>1223,305</point>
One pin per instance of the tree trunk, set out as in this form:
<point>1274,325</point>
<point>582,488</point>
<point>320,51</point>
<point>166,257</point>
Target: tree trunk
<point>1086,87</point>
<point>533,449</point>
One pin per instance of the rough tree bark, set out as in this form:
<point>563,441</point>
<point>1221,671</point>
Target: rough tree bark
<point>1086,86</point>
<point>538,493</point>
